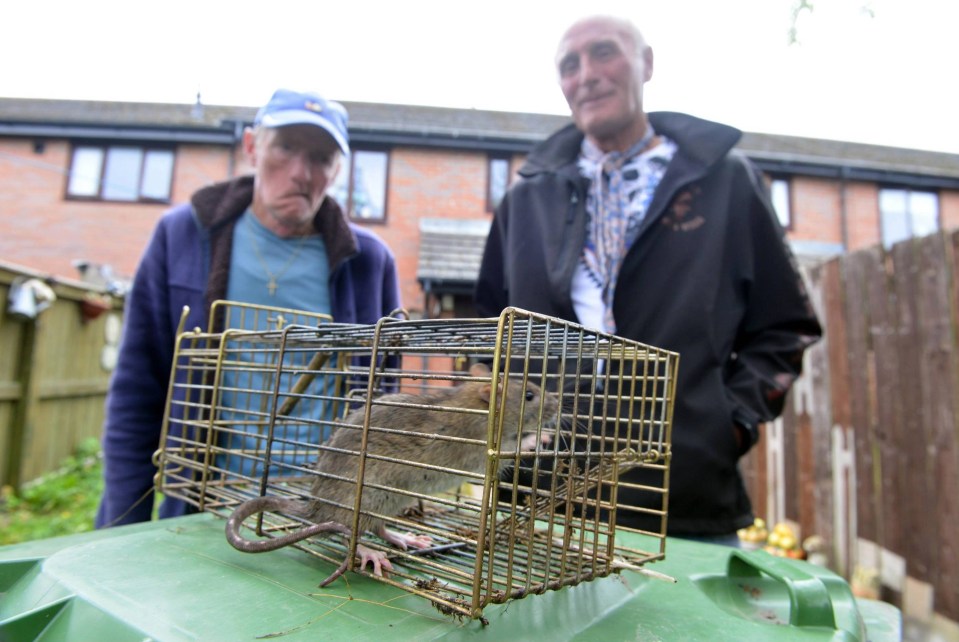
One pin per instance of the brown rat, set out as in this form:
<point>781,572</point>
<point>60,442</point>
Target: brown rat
<point>421,415</point>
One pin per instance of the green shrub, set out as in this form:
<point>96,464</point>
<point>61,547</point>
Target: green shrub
<point>60,503</point>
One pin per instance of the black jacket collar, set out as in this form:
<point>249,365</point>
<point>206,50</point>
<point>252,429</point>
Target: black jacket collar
<point>701,143</point>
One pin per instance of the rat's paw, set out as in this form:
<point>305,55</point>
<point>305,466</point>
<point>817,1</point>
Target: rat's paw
<point>417,541</point>
<point>381,564</point>
<point>405,541</point>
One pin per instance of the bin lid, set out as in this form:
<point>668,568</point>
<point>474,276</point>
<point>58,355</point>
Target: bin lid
<point>178,579</point>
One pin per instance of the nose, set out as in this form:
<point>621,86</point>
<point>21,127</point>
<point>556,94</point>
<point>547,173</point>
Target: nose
<point>588,72</point>
<point>301,167</point>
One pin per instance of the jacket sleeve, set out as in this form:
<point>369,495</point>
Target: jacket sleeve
<point>137,394</point>
<point>779,323</point>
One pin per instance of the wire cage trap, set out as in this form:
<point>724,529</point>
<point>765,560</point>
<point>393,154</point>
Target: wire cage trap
<point>504,453</point>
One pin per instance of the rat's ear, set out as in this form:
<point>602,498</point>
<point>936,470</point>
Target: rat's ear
<point>479,369</point>
<point>484,391</point>
<point>486,388</point>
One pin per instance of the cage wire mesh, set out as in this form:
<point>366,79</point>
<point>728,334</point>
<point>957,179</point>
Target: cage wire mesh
<point>512,447</point>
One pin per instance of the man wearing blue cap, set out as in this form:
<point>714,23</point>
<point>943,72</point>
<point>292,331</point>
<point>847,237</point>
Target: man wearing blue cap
<point>272,238</point>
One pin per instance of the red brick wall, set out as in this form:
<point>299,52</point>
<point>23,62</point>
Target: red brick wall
<point>820,210</point>
<point>45,232</point>
<point>862,215</point>
<point>42,230</point>
<point>428,184</point>
<point>949,210</point>
<point>815,210</point>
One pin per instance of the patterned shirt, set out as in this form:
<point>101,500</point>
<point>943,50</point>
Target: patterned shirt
<point>621,189</point>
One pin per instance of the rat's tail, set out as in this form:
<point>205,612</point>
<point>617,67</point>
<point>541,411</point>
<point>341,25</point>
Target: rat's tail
<point>275,504</point>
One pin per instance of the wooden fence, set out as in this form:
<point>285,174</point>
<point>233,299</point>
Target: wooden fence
<point>54,372</point>
<point>866,454</point>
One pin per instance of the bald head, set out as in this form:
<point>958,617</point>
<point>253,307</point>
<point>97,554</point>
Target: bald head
<point>626,29</point>
<point>603,64</point>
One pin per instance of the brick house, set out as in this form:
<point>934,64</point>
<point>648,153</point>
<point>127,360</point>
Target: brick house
<point>86,181</point>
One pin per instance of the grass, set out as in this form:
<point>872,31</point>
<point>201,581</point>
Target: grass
<point>60,503</point>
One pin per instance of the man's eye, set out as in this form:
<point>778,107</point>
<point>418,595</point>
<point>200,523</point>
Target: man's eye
<point>568,67</point>
<point>282,148</point>
<point>602,52</point>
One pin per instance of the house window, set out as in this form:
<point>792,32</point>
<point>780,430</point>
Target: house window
<point>497,181</point>
<point>906,213</point>
<point>360,187</point>
<point>120,173</point>
<point>779,192</point>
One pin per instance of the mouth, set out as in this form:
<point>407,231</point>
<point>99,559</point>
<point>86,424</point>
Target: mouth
<point>593,100</point>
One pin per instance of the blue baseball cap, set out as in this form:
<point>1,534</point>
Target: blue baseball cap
<point>288,107</point>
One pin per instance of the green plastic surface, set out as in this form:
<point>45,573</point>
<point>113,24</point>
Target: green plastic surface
<point>179,580</point>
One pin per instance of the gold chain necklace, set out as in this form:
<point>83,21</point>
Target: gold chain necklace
<point>272,284</point>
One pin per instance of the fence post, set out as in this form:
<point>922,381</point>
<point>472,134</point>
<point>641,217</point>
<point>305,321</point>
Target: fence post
<point>775,472</point>
<point>22,411</point>
<point>844,499</point>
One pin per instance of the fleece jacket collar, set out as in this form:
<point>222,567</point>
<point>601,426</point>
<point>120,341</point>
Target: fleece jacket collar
<point>221,204</point>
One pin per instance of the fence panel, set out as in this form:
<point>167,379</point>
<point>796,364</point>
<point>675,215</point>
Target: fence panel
<point>54,373</point>
<point>887,373</point>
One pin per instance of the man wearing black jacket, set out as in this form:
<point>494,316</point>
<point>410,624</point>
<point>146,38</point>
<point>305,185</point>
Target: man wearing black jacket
<point>653,228</point>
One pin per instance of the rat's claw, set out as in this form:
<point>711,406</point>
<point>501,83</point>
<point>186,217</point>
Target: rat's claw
<point>405,540</point>
<point>418,541</point>
<point>378,559</point>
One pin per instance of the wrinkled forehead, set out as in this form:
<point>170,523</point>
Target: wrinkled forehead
<point>588,32</point>
<point>300,134</point>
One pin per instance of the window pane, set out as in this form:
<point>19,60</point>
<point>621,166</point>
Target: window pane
<point>338,191</point>
<point>122,176</point>
<point>498,181</point>
<point>369,185</point>
<point>779,191</point>
<point>892,201</point>
<point>892,215</point>
<point>924,208</point>
<point>85,172</point>
<point>157,175</point>
<point>905,214</point>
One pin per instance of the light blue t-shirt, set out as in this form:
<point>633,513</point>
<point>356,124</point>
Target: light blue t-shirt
<point>266,269</point>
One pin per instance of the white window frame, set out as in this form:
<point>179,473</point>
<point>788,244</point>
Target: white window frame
<point>905,213</point>
<point>361,187</point>
<point>128,173</point>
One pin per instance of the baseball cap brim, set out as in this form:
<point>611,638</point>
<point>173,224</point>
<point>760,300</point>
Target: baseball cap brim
<point>301,117</point>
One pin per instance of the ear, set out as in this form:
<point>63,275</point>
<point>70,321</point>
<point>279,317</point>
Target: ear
<point>484,392</point>
<point>482,370</point>
<point>647,64</point>
<point>479,370</point>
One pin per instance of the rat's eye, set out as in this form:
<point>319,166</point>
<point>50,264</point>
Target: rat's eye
<point>530,395</point>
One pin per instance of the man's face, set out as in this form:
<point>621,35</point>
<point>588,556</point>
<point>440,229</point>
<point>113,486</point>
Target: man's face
<point>293,166</point>
<point>602,78</point>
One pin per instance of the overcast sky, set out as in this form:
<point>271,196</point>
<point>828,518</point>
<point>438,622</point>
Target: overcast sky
<point>889,79</point>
